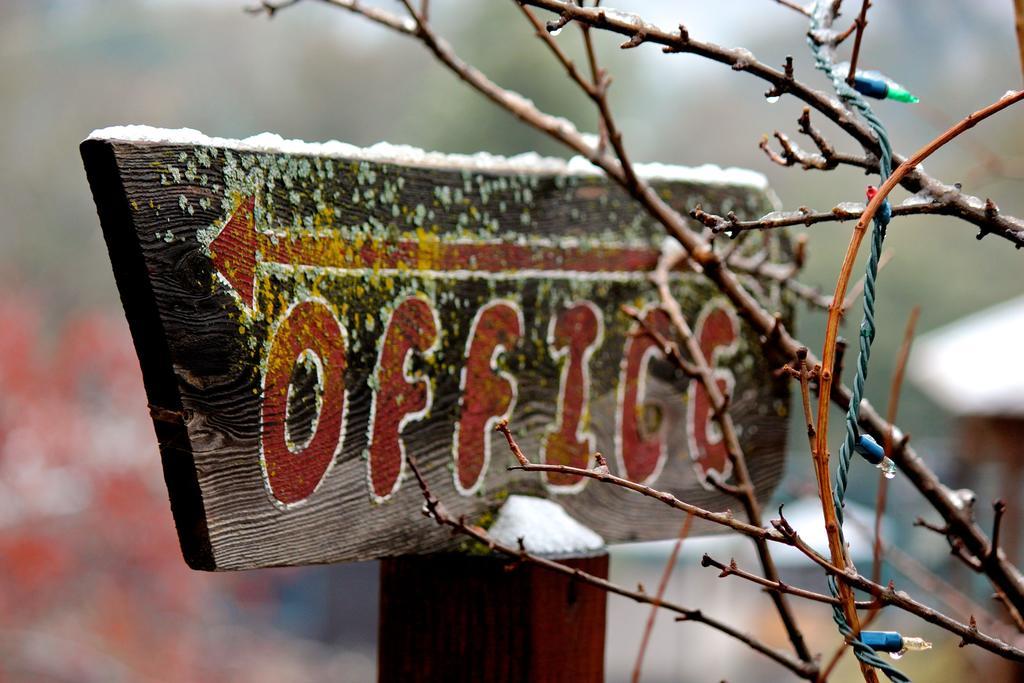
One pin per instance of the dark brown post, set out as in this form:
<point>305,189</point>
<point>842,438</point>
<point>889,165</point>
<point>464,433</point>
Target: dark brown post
<point>458,618</point>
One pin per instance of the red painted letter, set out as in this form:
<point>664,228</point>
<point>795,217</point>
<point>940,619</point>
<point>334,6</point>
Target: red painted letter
<point>399,397</point>
<point>573,336</point>
<point>486,396</point>
<point>640,457</point>
<point>717,332</point>
<point>308,331</point>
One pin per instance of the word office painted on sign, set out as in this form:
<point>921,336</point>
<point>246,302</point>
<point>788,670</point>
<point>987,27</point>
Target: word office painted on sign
<point>309,337</point>
<point>310,320</point>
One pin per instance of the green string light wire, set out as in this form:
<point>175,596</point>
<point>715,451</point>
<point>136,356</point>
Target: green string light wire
<point>851,97</point>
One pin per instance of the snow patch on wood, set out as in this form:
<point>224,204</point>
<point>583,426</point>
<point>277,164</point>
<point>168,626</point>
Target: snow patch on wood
<point>545,527</point>
<point>529,162</point>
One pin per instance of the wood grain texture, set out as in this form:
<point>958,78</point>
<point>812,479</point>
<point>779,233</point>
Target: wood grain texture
<point>464,619</point>
<point>258,284</point>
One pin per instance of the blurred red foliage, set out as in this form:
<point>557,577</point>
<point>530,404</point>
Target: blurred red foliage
<point>92,584</point>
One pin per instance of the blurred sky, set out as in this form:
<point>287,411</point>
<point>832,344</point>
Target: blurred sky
<point>69,66</point>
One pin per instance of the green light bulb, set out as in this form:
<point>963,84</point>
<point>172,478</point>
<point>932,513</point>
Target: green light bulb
<point>900,94</point>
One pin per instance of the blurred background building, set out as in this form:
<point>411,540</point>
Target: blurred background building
<point>92,587</point>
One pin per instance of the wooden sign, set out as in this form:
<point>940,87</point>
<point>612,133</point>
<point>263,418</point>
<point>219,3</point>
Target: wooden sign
<point>308,319</point>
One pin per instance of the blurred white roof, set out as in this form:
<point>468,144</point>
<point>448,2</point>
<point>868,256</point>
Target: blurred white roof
<point>975,366</point>
<point>803,514</point>
<point>806,517</point>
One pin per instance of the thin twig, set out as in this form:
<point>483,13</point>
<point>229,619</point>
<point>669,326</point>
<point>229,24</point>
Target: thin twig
<point>861,23</point>
<point>804,216</point>
<point>732,569</point>
<point>869,162</point>
<point>602,474</point>
<point>794,6</point>
<point>783,274</point>
<point>997,524</point>
<point>563,59</point>
<point>670,565</point>
<point>517,452</point>
<point>269,8</point>
<point>434,509</point>
<point>888,595</point>
<point>804,375</point>
<point>1016,617</point>
<point>379,16</point>
<point>595,77</point>
<point>894,400</point>
<point>827,160</point>
<point>744,488</point>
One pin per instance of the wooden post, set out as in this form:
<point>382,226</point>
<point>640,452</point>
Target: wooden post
<point>457,618</point>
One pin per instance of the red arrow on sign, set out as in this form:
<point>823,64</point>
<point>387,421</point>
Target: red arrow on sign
<point>240,248</point>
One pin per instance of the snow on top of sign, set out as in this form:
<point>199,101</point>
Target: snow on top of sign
<point>530,162</point>
<point>974,366</point>
<point>544,526</point>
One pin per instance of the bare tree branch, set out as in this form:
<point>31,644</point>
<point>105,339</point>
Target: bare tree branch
<point>744,489</point>
<point>666,574</point>
<point>434,509</point>
<point>826,160</point>
<point>778,343</point>
<point>889,444</point>
<point>732,226</point>
<point>732,569</point>
<point>637,29</point>
<point>601,474</point>
<point>888,595</point>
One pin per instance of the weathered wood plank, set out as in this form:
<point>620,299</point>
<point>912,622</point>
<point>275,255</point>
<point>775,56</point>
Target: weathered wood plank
<point>305,323</point>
